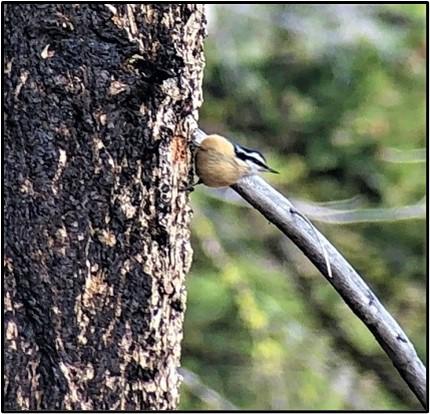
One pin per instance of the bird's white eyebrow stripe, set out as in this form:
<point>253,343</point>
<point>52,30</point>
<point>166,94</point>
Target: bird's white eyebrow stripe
<point>248,154</point>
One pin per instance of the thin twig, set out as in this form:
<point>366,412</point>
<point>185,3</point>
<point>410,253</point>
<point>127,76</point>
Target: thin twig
<point>347,282</point>
<point>212,398</point>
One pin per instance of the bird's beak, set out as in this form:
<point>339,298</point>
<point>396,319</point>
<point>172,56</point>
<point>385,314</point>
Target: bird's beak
<point>272,170</point>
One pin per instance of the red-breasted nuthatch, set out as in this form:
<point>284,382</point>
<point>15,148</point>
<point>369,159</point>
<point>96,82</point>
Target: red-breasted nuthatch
<point>220,163</point>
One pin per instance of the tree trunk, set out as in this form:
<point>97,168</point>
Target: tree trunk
<point>99,104</point>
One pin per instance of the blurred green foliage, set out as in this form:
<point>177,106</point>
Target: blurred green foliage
<point>327,92</point>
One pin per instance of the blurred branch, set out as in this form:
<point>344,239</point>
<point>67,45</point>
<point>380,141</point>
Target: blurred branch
<point>362,215</point>
<point>403,156</point>
<point>212,398</point>
<point>344,204</point>
<point>347,282</point>
<point>340,211</point>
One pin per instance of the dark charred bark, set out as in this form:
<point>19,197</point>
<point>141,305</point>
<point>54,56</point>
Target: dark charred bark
<point>99,102</point>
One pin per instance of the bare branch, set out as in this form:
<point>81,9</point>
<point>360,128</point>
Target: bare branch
<point>347,282</point>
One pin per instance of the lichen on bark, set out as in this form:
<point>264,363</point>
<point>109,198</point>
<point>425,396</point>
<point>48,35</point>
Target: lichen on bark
<point>99,104</point>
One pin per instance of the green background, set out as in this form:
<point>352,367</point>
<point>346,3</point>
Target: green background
<point>334,96</point>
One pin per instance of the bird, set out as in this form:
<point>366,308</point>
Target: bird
<point>221,163</point>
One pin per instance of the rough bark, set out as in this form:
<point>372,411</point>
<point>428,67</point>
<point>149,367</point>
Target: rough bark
<point>99,103</point>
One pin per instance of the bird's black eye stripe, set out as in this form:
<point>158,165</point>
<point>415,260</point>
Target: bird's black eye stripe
<point>258,162</point>
<point>244,152</point>
<point>248,154</point>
